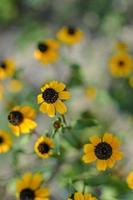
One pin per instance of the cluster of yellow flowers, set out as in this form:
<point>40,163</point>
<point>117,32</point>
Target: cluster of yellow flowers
<point>104,150</point>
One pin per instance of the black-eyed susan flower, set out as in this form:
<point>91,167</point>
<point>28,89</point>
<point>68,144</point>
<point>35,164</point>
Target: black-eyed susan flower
<point>43,147</point>
<point>91,92</point>
<point>52,98</point>
<point>5,142</point>
<point>69,35</point>
<point>105,151</point>
<point>130,180</point>
<point>1,91</point>
<point>15,86</point>
<point>29,187</point>
<point>21,119</point>
<point>81,196</point>
<point>121,64</point>
<point>7,68</point>
<point>47,51</point>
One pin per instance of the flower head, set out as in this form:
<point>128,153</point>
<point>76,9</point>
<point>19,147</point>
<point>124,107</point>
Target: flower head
<point>130,180</point>
<point>80,196</point>
<point>47,51</point>
<point>102,150</point>
<point>15,86</point>
<point>43,147</point>
<point>21,119</point>
<point>29,187</point>
<point>7,68</point>
<point>5,142</point>
<point>52,98</point>
<point>121,65</point>
<point>69,35</point>
<point>91,92</point>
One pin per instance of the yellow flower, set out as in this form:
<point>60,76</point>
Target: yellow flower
<point>52,98</point>
<point>1,91</point>
<point>121,46</point>
<point>102,150</point>
<point>5,142</point>
<point>130,180</point>
<point>80,196</point>
<point>43,147</point>
<point>91,92</point>
<point>29,187</point>
<point>121,64</point>
<point>21,119</point>
<point>15,86</point>
<point>7,68</point>
<point>69,35</point>
<point>47,51</point>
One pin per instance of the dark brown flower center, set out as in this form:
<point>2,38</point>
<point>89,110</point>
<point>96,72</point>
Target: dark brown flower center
<point>71,30</point>
<point>121,63</point>
<point>3,65</point>
<point>43,47</point>
<point>50,95</point>
<point>15,117</point>
<point>43,148</point>
<point>27,194</point>
<point>1,140</point>
<point>103,151</point>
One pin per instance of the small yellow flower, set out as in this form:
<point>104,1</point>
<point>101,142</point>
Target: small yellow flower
<point>29,187</point>
<point>121,64</point>
<point>80,196</point>
<point>5,142</point>
<point>52,98</point>
<point>91,92</point>
<point>47,51</point>
<point>21,120</point>
<point>130,180</point>
<point>43,147</point>
<point>105,151</point>
<point>1,91</point>
<point>69,35</point>
<point>7,68</point>
<point>15,86</point>
<point>121,46</point>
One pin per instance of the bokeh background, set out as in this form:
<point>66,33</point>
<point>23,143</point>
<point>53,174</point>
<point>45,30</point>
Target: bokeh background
<point>25,22</point>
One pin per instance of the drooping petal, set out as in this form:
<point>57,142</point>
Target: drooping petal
<point>51,110</point>
<point>60,107</point>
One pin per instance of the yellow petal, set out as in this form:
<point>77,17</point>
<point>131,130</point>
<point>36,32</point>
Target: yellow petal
<point>116,142</point>
<point>60,87</point>
<point>78,196</point>
<point>28,112</point>
<point>36,181</point>
<point>39,98</point>
<point>108,138</point>
<point>43,107</point>
<point>27,178</point>
<point>24,128</point>
<point>15,129</point>
<point>88,158</point>
<point>101,165</point>
<point>64,95</point>
<point>117,155</point>
<point>42,193</point>
<point>30,123</point>
<point>51,110</point>
<point>88,148</point>
<point>60,107</point>
<point>111,162</point>
<point>95,140</point>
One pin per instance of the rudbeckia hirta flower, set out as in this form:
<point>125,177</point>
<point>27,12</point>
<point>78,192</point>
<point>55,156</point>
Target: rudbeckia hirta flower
<point>105,151</point>
<point>130,180</point>
<point>81,196</point>
<point>121,65</point>
<point>5,142</point>
<point>29,187</point>
<point>43,147</point>
<point>21,119</point>
<point>7,68</point>
<point>15,86</point>
<point>47,51</point>
<point>69,35</point>
<point>52,98</point>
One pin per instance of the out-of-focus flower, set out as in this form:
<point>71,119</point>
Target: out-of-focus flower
<point>1,91</point>
<point>130,180</point>
<point>43,147</point>
<point>7,68</point>
<point>15,86</point>
<point>91,92</point>
<point>29,187</point>
<point>69,35</point>
<point>121,46</point>
<point>121,64</point>
<point>102,150</point>
<point>21,119</point>
<point>52,98</point>
<point>47,51</point>
<point>131,81</point>
<point>80,196</point>
<point>5,142</point>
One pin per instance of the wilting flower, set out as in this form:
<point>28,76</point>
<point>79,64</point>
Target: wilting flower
<point>1,91</point>
<point>91,92</point>
<point>121,64</point>
<point>80,196</point>
<point>5,142</point>
<point>69,35</point>
<point>52,98</point>
<point>43,147</point>
<point>7,68</point>
<point>21,119</point>
<point>29,187</point>
<point>102,150</point>
<point>15,86</point>
<point>130,180</point>
<point>47,51</point>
